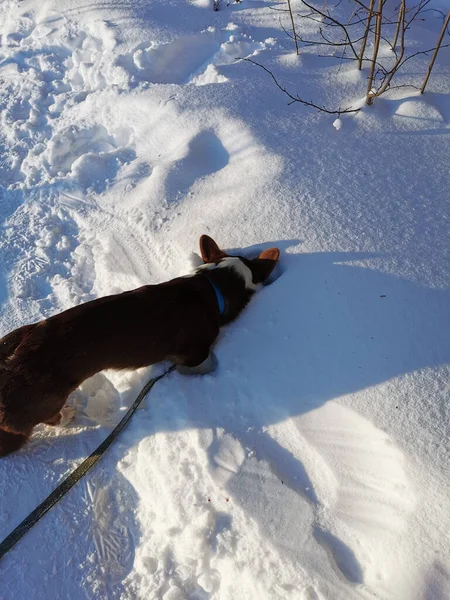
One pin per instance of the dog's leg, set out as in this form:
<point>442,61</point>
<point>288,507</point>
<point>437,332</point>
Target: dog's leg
<point>193,367</point>
<point>63,418</point>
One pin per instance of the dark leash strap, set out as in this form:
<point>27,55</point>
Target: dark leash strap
<point>76,475</point>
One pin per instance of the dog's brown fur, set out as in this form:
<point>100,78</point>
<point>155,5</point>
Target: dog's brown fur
<point>42,363</point>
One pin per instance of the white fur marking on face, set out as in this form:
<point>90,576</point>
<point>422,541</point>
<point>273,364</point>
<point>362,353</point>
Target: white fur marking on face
<point>235,263</point>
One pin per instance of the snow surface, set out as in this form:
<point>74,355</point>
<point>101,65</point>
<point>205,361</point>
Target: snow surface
<point>314,464</point>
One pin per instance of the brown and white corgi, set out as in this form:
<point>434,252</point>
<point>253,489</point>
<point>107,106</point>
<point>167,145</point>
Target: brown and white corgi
<point>42,363</point>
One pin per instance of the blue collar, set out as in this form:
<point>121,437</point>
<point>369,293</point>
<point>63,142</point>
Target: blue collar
<point>219,296</point>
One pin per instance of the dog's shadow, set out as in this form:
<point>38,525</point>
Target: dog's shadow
<point>330,325</point>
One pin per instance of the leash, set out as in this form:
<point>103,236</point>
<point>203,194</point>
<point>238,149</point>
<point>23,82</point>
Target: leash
<point>62,489</point>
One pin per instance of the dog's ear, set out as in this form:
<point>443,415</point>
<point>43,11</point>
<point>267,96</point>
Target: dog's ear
<point>263,266</point>
<point>210,251</point>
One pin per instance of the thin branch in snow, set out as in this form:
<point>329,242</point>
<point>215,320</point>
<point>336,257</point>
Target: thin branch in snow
<point>293,25</point>
<point>293,98</point>
<point>398,61</point>
<point>379,17</point>
<point>430,67</point>
<point>337,23</point>
<point>400,22</point>
<point>366,34</point>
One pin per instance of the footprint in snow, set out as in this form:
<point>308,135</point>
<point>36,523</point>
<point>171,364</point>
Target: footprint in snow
<point>205,156</point>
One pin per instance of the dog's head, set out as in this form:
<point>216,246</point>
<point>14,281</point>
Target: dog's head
<point>254,271</point>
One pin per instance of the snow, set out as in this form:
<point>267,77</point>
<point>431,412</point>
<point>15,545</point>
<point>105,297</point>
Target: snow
<point>313,464</point>
<point>337,124</point>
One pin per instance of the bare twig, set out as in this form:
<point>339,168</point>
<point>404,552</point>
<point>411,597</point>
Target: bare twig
<point>336,57</point>
<point>326,42</point>
<point>398,61</point>
<point>293,25</point>
<point>293,98</point>
<point>331,42</point>
<point>366,34</point>
<point>363,15</point>
<point>416,10</point>
<point>404,85</point>
<point>400,22</point>
<point>420,52</point>
<point>430,67</point>
<point>334,23</point>
<point>379,16</point>
<point>330,18</point>
<point>362,5</point>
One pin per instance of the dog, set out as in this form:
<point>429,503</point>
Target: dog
<point>179,320</point>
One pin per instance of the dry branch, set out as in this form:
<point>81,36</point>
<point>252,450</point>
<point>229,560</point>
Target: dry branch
<point>378,22</point>
<point>293,98</point>
<point>399,59</point>
<point>362,17</point>
<point>366,34</point>
<point>293,26</point>
<point>335,22</point>
<point>401,20</point>
<point>430,67</point>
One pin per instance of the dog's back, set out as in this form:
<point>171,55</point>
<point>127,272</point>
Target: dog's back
<point>42,363</point>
